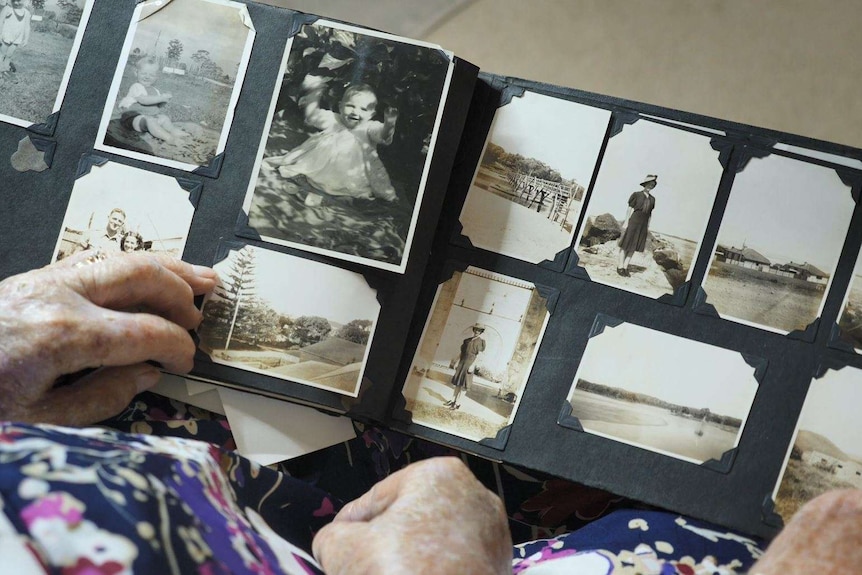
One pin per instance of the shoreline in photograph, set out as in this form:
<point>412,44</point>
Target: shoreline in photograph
<point>645,421</point>
<point>763,298</point>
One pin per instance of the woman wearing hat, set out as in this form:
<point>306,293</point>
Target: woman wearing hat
<point>470,349</point>
<point>636,224</point>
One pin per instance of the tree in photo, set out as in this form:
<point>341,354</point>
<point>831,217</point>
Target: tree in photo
<point>234,306</point>
<point>175,51</point>
<point>309,329</point>
<point>357,331</point>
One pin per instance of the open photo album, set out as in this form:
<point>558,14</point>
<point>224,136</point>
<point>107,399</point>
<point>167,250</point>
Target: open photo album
<point>648,301</point>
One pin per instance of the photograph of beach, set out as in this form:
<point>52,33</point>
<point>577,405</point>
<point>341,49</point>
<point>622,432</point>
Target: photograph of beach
<point>667,394</point>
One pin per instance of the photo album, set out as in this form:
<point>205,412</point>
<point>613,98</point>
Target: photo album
<point>643,300</point>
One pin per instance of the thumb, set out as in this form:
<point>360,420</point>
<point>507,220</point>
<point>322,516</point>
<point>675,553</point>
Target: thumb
<point>374,502</point>
<point>98,395</point>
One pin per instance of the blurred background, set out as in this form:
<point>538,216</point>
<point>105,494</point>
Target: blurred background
<point>789,65</point>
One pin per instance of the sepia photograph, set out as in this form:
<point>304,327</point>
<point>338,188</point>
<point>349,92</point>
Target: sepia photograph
<point>667,394</point>
<point>290,318</point>
<point>174,92</point>
<point>476,353</point>
<point>528,190</point>
<point>649,209</point>
<point>117,208</point>
<point>850,316</point>
<point>39,42</point>
<point>343,161</point>
<point>825,453</point>
<point>779,243</point>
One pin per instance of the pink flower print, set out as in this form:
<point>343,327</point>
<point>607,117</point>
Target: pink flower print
<point>54,506</point>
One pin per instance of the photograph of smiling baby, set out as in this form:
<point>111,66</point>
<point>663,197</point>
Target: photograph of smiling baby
<point>342,164</point>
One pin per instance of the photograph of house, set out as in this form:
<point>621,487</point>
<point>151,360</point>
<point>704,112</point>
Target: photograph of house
<point>772,222</point>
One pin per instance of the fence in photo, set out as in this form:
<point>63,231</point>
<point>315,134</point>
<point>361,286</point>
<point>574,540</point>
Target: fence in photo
<point>551,198</point>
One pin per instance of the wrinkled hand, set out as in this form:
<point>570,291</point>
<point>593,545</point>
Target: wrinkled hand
<point>118,312</point>
<point>824,537</point>
<point>431,517</point>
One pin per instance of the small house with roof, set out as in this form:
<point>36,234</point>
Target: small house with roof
<point>808,272</point>
<point>745,257</point>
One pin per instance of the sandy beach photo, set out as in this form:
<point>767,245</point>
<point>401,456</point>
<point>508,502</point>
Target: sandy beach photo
<point>779,243</point>
<point>119,208</point>
<point>649,209</point>
<point>826,452</point>
<point>290,318</point>
<point>475,355</point>
<point>176,86</point>
<point>663,393</point>
<point>528,189</point>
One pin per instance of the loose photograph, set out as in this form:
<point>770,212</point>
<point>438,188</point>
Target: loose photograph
<point>528,190</point>
<point>39,42</point>
<point>118,208</point>
<point>667,394</point>
<point>649,209</point>
<point>850,317</point>
<point>290,318</point>
<point>342,165</point>
<point>476,353</point>
<point>174,92</point>
<point>826,453</point>
<point>778,244</point>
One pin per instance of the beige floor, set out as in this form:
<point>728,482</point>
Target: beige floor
<point>791,65</point>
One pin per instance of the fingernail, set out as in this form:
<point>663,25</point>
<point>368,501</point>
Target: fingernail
<point>147,379</point>
<point>204,271</point>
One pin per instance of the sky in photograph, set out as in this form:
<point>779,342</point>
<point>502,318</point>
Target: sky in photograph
<point>688,173</point>
<point>155,205</point>
<point>832,409</point>
<point>788,211</point>
<point>199,25</point>
<point>296,286</point>
<point>565,135</point>
<point>674,369</point>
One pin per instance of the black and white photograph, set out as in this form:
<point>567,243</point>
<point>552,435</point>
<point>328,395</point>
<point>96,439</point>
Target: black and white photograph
<point>667,394</point>
<point>779,244</point>
<point>173,96</point>
<point>351,132</point>
<point>39,41</point>
<point>476,353</point>
<point>826,452</point>
<point>290,318</point>
<point>850,316</point>
<point>649,209</point>
<point>528,190</point>
<point>117,208</point>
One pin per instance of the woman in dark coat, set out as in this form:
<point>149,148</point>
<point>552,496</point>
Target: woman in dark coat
<point>636,224</point>
<point>470,349</point>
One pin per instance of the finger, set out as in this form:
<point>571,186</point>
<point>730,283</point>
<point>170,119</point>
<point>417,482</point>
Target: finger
<point>111,338</point>
<point>97,396</point>
<point>124,282</point>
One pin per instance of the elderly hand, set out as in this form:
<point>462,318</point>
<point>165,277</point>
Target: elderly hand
<point>431,517</point>
<point>823,537</point>
<point>86,312</point>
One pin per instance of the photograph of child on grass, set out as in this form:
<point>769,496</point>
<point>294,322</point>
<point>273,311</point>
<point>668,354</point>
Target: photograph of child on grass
<point>342,165</point>
<point>173,95</point>
<point>476,353</point>
<point>290,318</point>
<point>825,453</point>
<point>39,42</point>
<point>778,246</point>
